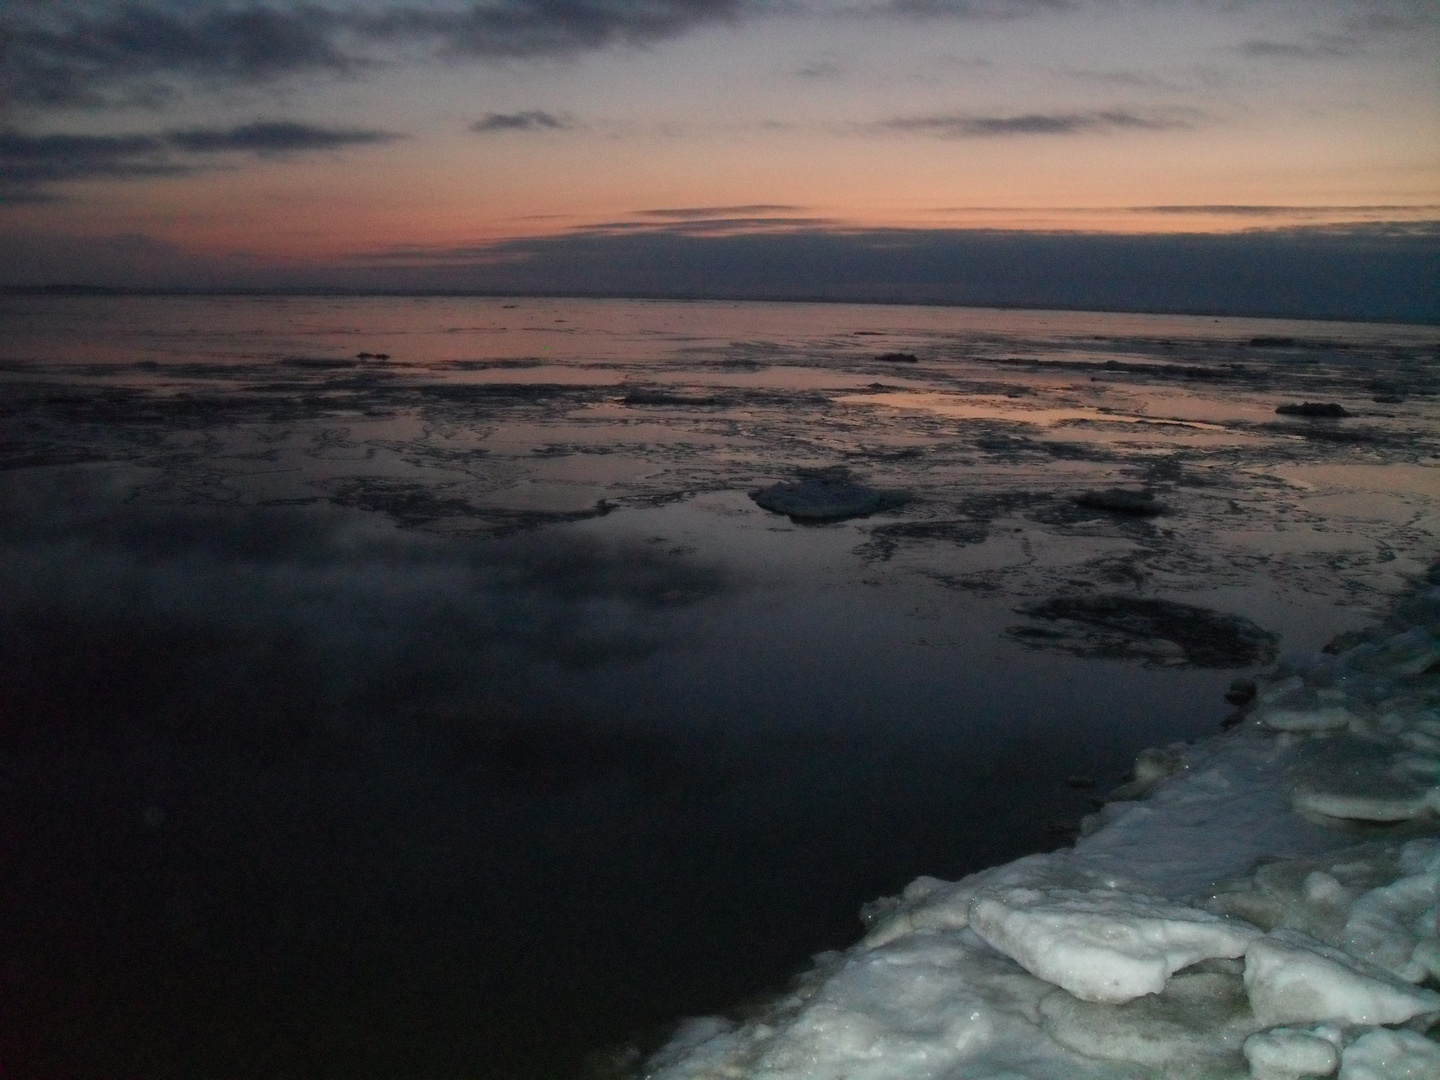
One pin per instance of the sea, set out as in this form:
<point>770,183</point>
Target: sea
<point>417,687</point>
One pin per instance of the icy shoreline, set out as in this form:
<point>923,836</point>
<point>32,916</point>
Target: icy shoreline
<point>1262,904</point>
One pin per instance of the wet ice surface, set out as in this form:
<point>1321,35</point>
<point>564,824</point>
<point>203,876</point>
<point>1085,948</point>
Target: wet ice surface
<point>461,714</point>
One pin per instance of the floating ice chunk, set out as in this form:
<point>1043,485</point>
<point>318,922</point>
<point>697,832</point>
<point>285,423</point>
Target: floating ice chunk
<point>1293,979</point>
<point>1198,1018</point>
<point>1357,779</point>
<point>1290,1053</point>
<point>1390,1055</point>
<point>1121,501</point>
<point>1099,944</point>
<point>826,498</point>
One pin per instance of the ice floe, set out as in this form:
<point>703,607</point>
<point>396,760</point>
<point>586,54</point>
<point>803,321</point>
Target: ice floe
<point>1265,904</point>
<point>826,496</point>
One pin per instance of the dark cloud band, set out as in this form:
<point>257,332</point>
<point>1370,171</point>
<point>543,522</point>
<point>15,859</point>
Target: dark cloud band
<point>274,137</point>
<point>29,163</point>
<point>75,53</point>
<point>531,120</point>
<point>684,213</point>
<point>70,53</point>
<point>1381,271</point>
<point>968,126</point>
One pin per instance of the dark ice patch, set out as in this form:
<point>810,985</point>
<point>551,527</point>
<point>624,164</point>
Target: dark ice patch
<point>826,498</point>
<point>646,396</point>
<point>406,503</point>
<point>885,539</point>
<point>414,505</point>
<point>321,363</point>
<point>1313,408</point>
<point>1121,501</point>
<point>490,365</point>
<point>1157,632</point>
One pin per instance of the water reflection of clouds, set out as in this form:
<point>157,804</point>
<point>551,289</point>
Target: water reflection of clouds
<point>117,608</point>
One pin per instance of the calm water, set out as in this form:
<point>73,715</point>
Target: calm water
<point>458,713</point>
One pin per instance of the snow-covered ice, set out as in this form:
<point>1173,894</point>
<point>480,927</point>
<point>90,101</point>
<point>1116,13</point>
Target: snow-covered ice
<point>1293,979</point>
<point>1290,1053</point>
<point>1381,1054</point>
<point>1103,944</point>
<point>1265,904</point>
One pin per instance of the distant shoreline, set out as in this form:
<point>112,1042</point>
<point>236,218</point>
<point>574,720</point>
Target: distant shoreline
<point>77,290</point>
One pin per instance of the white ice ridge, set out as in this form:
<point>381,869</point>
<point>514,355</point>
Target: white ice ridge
<point>1103,944</point>
<point>1262,905</point>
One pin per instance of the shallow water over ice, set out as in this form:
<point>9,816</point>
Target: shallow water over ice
<point>459,714</point>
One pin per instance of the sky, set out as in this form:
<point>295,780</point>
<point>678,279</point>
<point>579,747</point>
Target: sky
<point>895,149</point>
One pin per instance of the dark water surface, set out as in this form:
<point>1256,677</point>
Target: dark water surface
<point>458,714</point>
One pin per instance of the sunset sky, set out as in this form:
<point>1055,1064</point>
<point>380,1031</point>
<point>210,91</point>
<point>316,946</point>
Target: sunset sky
<point>438,141</point>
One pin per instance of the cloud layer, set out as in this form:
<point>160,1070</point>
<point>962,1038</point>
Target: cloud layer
<point>1378,271</point>
<point>530,120</point>
<point>968,126</point>
<point>83,53</point>
<point>29,163</point>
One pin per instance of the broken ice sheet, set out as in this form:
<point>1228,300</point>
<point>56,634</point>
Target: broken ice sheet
<point>1378,902</point>
<point>1290,1053</point>
<point>1199,1015</point>
<point>1360,779</point>
<point>1100,944</point>
<point>1293,979</point>
<point>1390,1055</point>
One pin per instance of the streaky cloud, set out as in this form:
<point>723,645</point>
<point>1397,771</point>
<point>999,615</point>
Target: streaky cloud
<point>78,53</point>
<point>274,137</point>
<point>30,164</point>
<point>1365,211</point>
<point>522,28</point>
<point>684,212</point>
<point>530,120</point>
<point>1318,48</point>
<point>975,9</point>
<point>716,226</point>
<point>1262,210</point>
<point>27,161</point>
<point>970,126</point>
<point>82,54</point>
